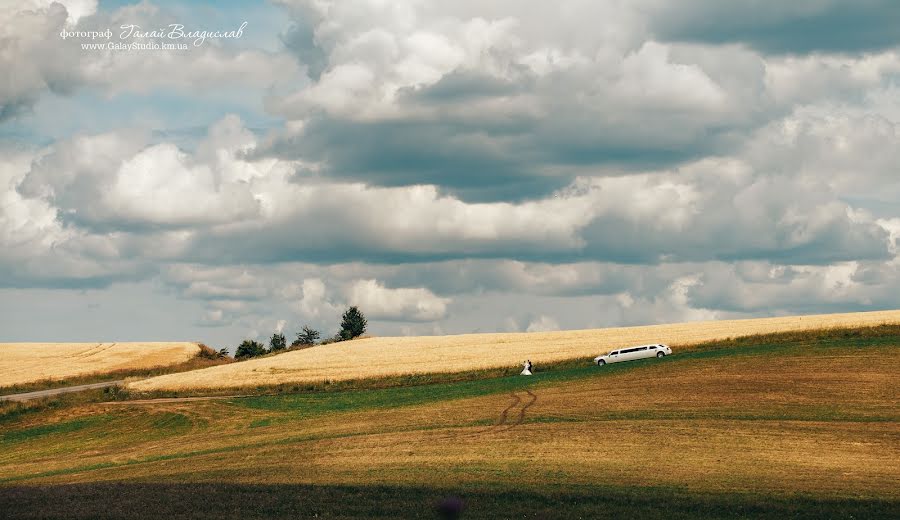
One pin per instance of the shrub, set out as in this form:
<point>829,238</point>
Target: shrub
<point>248,349</point>
<point>207,352</point>
<point>333,339</point>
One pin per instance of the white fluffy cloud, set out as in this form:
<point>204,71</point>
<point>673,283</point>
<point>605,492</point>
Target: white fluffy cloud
<point>542,324</point>
<point>314,301</point>
<point>218,197</point>
<point>449,165</point>
<point>120,180</point>
<point>402,304</point>
<point>320,296</point>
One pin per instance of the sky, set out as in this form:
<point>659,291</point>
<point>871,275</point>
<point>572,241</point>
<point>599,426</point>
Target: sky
<point>449,167</point>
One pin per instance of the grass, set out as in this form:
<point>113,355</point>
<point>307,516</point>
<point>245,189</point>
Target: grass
<point>793,425</point>
<point>49,429</point>
<point>378,358</point>
<point>277,501</point>
<point>12,411</point>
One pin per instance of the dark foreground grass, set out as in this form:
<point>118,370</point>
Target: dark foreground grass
<point>237,501</point>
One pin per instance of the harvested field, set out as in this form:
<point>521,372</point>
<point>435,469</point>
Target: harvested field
<point>803,427</point>
<point>23,363</point>
<point>385,357</point>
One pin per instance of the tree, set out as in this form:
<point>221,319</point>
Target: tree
<point>223,353</point>
<point>307,337</point>
<point>249,348</point>
<point>353,323</point>
<point>277,342</point>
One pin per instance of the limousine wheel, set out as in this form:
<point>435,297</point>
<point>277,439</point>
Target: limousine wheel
<point>660,355</point>
<point>601,363</point>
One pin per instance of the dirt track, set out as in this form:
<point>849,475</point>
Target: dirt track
<point>503,423</point>
<point>56,391</point>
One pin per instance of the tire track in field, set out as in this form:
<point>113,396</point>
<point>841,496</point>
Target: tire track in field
<point>521,418</point>
<point>503,422</point>
<point>111,345</point>
<point>504,415</point>
<point>93,351</point>
<point>86,352</point>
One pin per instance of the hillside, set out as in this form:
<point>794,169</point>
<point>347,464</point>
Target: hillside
<point>797,425</point>
<point>23,363</point>
<point>391,356</point>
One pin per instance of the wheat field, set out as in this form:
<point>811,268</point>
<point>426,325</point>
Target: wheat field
<point>392,356</point>
<point>22,363</point>
<point>780,421</point>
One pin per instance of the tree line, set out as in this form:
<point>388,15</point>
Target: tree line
<point>353,325</point>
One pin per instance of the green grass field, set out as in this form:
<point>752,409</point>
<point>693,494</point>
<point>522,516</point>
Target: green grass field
<point>799,425</point>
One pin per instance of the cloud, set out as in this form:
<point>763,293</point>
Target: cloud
<point>117,199</point>
<point>752,216</point>
<point>314,301</point>
<point>802,289</point>
<point>401,304</point>
<point>44,62</point>
<point>502,107</point>
<point>542,324</point>
<point>75,9</point>
<point>320,297</point>
<point>460,165</point>
<point>855,154</point>
<point>120,181</point>
<point>37,250</point>
<point>28,46</point>
<point>799,27</point>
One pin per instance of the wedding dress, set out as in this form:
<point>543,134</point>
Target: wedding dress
<point>527,370</point>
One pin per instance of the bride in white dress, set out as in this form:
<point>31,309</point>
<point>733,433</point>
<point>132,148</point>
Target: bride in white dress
<point>527,370</point>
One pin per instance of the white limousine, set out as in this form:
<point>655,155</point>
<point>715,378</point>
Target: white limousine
<point>628,354</point>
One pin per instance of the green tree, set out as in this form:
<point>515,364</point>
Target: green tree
<point>309,336</point>
<point>353,323</point>
<point>277,342</point>
<point>249,348</point>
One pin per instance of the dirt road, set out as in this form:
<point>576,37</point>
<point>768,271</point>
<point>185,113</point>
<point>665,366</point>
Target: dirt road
<point>56,391</point>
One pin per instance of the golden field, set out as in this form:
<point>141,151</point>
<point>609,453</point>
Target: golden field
<point>392,356</point>
<point>802,425</point>
<point>775,422</point>
<point>22,363</point>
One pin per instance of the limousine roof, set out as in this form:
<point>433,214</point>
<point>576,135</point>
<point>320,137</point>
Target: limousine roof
<point>640,346</point>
